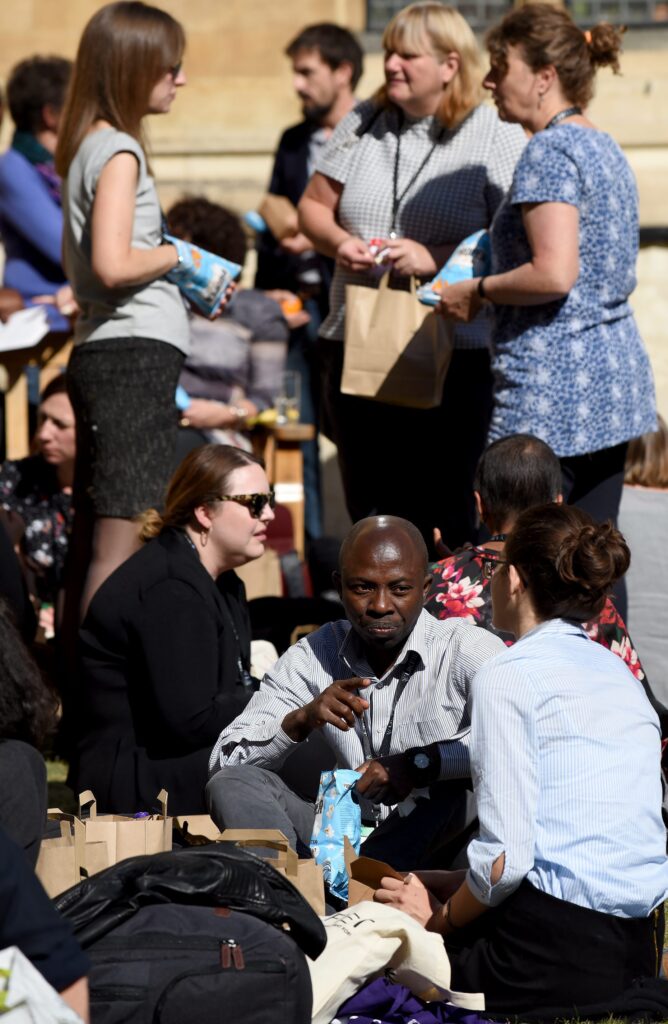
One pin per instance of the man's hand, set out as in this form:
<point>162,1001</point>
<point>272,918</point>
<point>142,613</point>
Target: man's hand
<point>409,895</point>
<point>386,780</point>
<point>10,302</point>
<point>337,705</point>
<point>296,244</point>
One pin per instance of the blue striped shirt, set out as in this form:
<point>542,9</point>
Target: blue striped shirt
<point>431,709</point>
<point>565,758</point>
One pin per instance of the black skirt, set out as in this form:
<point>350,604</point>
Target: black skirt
<point>545,958</point>
<point>122,392</point>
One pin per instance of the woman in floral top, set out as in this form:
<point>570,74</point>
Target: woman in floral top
<point>38,490</point>
<point>514,474</point>
<point>460,589</point>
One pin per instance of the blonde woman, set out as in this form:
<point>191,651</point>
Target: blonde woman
<point>420,166</point>
<point>132,333</point>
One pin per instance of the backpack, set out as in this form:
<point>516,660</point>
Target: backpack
<point>208,933</point>
<point>172,963</point>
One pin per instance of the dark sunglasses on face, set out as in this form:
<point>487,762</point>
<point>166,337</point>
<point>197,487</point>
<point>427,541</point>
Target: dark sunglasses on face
<point>253,502</point>
<point>175,71</point>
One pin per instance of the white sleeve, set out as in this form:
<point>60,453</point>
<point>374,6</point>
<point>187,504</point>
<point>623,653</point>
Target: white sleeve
<point>256,735</point>
<point>504,767</point>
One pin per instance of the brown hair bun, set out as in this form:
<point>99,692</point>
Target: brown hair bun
<point>568,561</point>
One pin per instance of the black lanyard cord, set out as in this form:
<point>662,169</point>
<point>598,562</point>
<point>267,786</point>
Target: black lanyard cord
<point>396,198</point>
<point>411,663</point>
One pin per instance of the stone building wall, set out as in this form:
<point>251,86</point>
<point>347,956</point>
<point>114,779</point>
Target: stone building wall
<point>221,133</point>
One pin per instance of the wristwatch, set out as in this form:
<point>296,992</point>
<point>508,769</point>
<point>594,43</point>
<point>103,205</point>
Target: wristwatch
<point>423,767</point>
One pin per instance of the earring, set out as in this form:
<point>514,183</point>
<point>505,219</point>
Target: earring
<point>204,538</point>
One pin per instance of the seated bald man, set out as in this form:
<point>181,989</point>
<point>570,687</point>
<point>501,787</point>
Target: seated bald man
<point>387,686</point>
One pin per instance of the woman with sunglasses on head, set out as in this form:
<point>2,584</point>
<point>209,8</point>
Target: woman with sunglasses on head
<point>132,334</point>
<point>165,646</point>
<point>561,909</point>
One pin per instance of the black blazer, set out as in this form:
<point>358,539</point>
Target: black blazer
<point>275,267</point>
<point>160,648</point>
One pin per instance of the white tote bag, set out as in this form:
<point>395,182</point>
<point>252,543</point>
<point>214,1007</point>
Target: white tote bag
<point>369,938</point>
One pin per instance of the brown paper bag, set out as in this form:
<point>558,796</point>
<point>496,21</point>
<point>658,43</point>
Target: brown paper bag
<point>305,875</point>
<point>124,836</point>
<point>197,827</point>
<point>66,859</point>
<point>279,215</point>
<point>364,874</point>
<point>396,350</point>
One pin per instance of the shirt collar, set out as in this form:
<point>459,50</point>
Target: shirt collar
<point>553,627</point>
<point>350,650</point>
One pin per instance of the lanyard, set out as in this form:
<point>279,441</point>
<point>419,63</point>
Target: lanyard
<point>410,666</point>
<point>396,198</point>
<point>244,678</point>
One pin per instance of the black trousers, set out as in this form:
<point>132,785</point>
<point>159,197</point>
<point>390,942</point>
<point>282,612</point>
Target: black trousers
<point>546,958</point>
<point>414,463</point>
<point>594,483</point>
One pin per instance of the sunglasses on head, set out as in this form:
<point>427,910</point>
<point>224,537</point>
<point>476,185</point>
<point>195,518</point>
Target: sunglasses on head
<point>253,502</point>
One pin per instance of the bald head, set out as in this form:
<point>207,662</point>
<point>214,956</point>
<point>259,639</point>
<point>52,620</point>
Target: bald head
<point>376,534</point>
<point>383,582</point>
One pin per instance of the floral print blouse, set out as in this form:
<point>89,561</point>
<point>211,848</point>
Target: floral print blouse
<point>30,488</point>
<point>459,590</point>
<point>574,372</point>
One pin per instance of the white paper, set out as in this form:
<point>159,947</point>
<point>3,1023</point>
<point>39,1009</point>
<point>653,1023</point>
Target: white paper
<point>28,998</point>
<point>24,329</point>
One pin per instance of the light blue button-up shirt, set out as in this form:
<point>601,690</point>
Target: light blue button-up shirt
<point>565,757</point>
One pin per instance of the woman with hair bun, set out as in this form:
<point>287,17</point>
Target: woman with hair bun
<point>165,646</point>
<point>569,364</point>
<point>561,909</point>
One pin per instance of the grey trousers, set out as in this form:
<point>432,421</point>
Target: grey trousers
<point>250,797</point>
<point>245,796</point>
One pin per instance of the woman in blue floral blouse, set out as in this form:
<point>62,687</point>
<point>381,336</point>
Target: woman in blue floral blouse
<point>569,364</point>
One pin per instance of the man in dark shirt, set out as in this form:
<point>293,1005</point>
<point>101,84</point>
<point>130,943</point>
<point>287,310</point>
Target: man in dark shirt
<point>326,66</point>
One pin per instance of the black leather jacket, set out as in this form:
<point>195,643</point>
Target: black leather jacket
<point>220,875</point>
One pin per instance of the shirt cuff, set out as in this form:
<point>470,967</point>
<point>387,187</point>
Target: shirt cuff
<point>455,761</point>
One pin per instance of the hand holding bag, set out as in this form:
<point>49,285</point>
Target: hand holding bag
<point>396,350</point>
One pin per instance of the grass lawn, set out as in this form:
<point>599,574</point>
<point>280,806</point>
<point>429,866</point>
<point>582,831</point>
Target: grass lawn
<point>60,794</point>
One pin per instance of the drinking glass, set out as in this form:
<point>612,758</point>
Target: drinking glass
<point>287,400</point>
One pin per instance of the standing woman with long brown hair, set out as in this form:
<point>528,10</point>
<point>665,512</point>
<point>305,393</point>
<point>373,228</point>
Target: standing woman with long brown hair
<point>132,333</point>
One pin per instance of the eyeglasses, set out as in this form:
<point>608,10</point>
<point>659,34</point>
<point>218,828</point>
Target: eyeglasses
<point>490,565</point>
<point>253,502</point>
<point>175,71</point>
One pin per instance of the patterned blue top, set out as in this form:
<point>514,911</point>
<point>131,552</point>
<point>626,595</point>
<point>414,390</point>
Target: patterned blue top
<point>574,372</point>
<point>565,758</point>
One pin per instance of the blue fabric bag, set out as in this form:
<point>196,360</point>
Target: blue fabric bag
<point>337,815</point>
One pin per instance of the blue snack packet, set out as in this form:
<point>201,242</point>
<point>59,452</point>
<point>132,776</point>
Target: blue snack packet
<point>471,258</point>
<point>181,398</point>
<point>337,815</point>
<point>202,276</point>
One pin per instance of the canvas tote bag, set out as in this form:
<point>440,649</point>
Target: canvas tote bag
<point>396,350</point>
